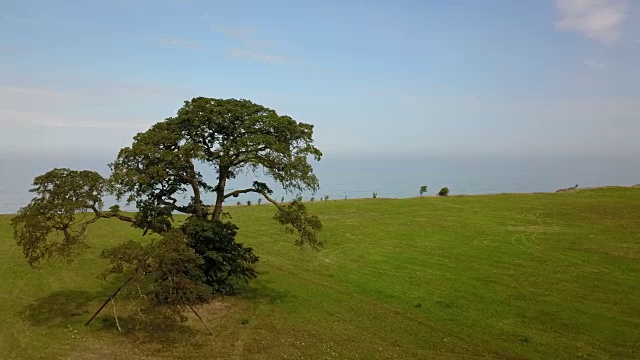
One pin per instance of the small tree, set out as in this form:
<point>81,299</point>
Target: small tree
<point>423,189</point>
<point>312,198</point>
<point>248,202</point>
<point>443,192</point>
<point>239,203</point>
<point>282,200</point>
<point>375,195</point>
<point>326,197</point>
<point>259,201</point>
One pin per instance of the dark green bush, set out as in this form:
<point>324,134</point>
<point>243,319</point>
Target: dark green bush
<point>444,191</point>
<point>228,265</point>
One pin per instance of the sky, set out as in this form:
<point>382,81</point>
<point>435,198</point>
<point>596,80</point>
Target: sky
<point>437,78</point>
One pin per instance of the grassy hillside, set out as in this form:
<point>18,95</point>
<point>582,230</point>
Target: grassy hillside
<point>528,276</point>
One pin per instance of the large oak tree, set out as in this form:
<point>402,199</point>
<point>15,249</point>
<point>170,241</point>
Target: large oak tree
<point>228,137</point>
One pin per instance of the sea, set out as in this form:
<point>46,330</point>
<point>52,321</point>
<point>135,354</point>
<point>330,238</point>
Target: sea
<point>352,176</point>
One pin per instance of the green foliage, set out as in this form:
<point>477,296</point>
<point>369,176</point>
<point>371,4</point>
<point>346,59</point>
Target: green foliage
<point>259,201</point>
<point>231,136</point>
<point>326,197</point>
<point>169,270</point>
<point>294,217</point>
<point>282,200</point>
<point>443,192</point>
<point>53,223</point>
<point>115,208</point>
<point>248,202</point>
<point>375,195</point>
<point>228,265</point>
<point>238,203</point>
<point>312,198</point>
<point>423,189</point>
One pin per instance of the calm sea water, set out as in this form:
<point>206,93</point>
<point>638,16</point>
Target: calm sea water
<point>360,177</point>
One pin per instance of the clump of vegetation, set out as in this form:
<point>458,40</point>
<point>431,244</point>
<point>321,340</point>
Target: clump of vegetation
<point>444,191</point>
<point>423,189</point>
<point>375,195</point>
<point>282,200</point>
<point>227,265</point>
<point>567,189</point>
<point>326,197</point>
<point>248,202</point>
<point>312,198</point>
<point>259,201</point>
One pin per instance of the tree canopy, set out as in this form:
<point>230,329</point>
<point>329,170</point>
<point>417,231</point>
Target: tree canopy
<point>230,136</point>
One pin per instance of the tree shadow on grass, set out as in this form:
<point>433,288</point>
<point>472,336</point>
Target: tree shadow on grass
<point>59,307</point>
<point>153,328</point>
<point>261,291</point>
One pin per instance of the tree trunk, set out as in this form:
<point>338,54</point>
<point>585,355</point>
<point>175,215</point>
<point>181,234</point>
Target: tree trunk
<point>197,199</point>
<point>111,297</point>
<point>222,182</point>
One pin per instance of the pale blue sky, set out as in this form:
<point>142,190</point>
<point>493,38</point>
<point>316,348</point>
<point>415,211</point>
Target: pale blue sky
<point>455,77</point>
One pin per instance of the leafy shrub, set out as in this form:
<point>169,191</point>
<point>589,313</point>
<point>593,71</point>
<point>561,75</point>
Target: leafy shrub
<point>259,201</point>
<point>239,203</point>
<point>227,264</point>
<point>312,198</point>
<point>375,195</point>
<point>248,202</point>
<point>423,189</point>
<point>444,191</point>
<point>326,197</point>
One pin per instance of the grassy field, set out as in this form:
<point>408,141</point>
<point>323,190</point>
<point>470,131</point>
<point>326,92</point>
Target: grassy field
<point>514,276</point>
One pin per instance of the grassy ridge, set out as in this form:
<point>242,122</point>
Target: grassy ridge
<point>531,276</point>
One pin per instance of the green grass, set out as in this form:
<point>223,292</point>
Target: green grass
<point>518,276</point>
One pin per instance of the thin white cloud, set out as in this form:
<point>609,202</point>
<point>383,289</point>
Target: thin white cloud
<point>252,48</point>
<point>237,33</point>
<point>600,20</point>
<point>592,64</point>
<point>183,43</point>
<point>7,91</point>
<point>256,55</point>
<point>32,119</point>
<point>38,106</point>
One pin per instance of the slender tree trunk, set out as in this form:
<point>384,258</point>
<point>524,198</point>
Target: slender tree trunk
<point>110,297</point>
<point>202,321</point>
<point>197,197</point>
<point>115,315</point>
<point>222,182</point>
